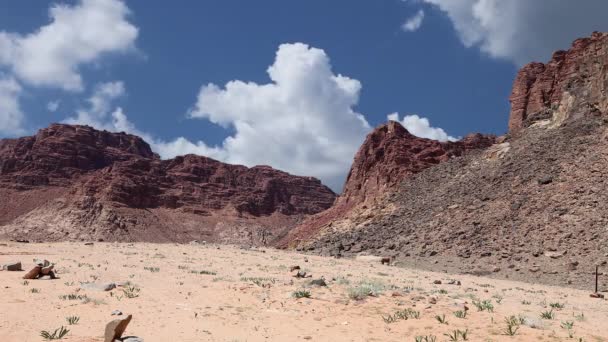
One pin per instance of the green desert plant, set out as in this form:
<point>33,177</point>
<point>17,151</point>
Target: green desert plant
<point>72,320</point>
<point>456,335</point>
<point>485,305</point>
<point>58,334</point>
<point>427,338</point>
<point>512,325</point>
<point>461,314</point>
<point>547,314</point>
<point>441,319</point>
<point>365,289</point>
<point>131,291</point>
<point>301,294</point>
<point>557,305</point>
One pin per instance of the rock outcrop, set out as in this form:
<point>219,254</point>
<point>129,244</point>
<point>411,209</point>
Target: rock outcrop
<point>571,84</point>
<point>529,207</point>
<point>388,156</point>
<point>391,154</point>
<point>75,182</point>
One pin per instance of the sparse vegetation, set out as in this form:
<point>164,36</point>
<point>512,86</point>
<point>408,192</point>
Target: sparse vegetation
<point>34,290</point>
<point>401,315</point>
<point>461,314</point>
<point>301,294</point>
<point>441,319</point>
<point>427,338</point>
<point>547,314</point>
<point>58,334</point>
<point>205,272</point>
<point>131,291</point>
<point>72,320</point>
<point>557,305</point>
<point>513,324</point>
<point>366,289</point>
<point>152,269</point>
<point>457,335</point>
<point>485,305</point>
<point>73,297</point>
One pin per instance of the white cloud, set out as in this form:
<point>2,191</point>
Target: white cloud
<point>11,116</point>
<point>421,127</point>
<point>99,112</point>
<point>302,122</point>
<point>52,106</point>
<point>523,30</point>
<point>76,35</point>
<point>413,24</point>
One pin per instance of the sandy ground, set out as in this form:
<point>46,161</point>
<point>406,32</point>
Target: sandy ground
<point>248,295</point>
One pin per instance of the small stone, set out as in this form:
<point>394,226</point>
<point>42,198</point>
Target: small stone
<point>88,244</point>
<point>132,339</point>
<point>437,282</point>
<point>116,328</point>
<point>12,266</point>
<point>496,269</point>
<point>596,295</point>
<point>293,268</point>
<point>432,300</point>
<point>116,313</point>
<point>545,180</point>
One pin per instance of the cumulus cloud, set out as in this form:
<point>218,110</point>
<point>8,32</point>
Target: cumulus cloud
<point>99,112</point>
<point>11,116</point>
<point>413,24</point>
<point>76,35</point>
<point>523,30</point>
<point>421,127</point>
<point>303,121</point>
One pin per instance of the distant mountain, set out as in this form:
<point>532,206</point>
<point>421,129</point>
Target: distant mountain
<point>77,183</point>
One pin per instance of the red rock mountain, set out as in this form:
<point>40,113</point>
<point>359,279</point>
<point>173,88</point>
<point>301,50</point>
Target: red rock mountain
<point>530,207</point>
<point>572,83</point>
<point>388,156</point>
<point>75,182</point>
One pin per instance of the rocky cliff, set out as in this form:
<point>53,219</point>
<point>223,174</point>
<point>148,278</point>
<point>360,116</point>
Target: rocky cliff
<point>530,207</point>
<point>389,155</point>
<point>573,83</point>
<point>74,182</point>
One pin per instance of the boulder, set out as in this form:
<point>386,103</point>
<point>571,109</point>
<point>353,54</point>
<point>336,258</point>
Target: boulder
<point>12,266</point>
<point>33,273</point>
<point>116,328</point>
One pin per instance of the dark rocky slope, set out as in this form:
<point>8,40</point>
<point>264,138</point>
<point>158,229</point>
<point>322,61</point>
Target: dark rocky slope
<point>531,207</point>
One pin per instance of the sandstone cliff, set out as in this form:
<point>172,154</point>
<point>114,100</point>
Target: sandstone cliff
<point>74,182</point>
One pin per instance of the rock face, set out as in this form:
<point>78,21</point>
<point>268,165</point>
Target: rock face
<point>78,182</point>
<point>530,207</point>
<point>572,83</point>
<point>389,156</point>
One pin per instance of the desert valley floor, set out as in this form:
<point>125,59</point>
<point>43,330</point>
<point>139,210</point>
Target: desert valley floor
<point>221,293</point>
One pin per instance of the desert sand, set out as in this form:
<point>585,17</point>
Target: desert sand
<point>208,292</point>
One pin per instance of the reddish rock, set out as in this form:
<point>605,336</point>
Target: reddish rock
<point>569,83</point>
<point>106,185</point>
<point>390,154</point>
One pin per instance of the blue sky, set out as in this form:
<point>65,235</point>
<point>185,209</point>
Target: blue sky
<point>145,67</point>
